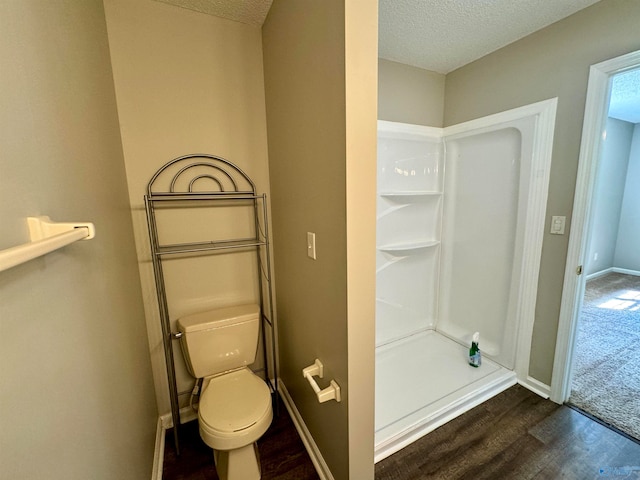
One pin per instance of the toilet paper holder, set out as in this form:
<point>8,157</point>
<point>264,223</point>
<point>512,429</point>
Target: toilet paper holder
<point>332,392</point>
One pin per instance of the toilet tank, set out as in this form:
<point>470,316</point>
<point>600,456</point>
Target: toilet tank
<point>219,340</point>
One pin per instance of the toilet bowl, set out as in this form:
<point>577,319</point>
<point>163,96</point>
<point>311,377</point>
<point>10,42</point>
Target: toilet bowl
<point>235,411</point>
<point>235,404</point>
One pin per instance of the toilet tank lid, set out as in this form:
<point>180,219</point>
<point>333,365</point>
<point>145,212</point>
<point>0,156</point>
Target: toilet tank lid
<point>219,317</point>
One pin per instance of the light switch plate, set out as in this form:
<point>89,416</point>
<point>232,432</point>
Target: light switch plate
<point>557,225</point>
<point>311,245</point>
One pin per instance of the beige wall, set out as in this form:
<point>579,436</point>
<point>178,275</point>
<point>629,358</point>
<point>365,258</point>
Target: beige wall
<point>409,94</point>
<point>185,83</point>
<point>553,62</point>
<point>312,115</point>
<point>361,52</point>
<point>77,399</point>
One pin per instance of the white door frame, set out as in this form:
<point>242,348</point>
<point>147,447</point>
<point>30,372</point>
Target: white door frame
<point>595,115</point>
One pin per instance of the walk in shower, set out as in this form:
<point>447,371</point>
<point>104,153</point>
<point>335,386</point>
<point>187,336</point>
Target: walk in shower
<point>460,218</point>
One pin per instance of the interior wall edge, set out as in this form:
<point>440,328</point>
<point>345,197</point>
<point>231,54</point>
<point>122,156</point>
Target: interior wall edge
<point>306,122</point>
<point>361,85</point>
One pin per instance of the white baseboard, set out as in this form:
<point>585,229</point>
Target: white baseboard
<point>312,449</point>
<point>165,422</point>
<point>601,273</point>
<point>158,454</point>
<point>186,415</point>
<point>536,387</point>
<point>626,271</point>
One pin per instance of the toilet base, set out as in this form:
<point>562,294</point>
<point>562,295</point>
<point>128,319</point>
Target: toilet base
<point>239,464</point>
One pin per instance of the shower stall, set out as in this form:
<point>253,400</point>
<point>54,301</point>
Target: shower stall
<point>460,219</point>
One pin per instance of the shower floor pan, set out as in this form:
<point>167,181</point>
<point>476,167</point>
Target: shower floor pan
<point>424,381</point>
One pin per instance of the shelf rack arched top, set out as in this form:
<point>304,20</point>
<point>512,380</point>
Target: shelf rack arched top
<point>206,180</point>
<point>200,174</point>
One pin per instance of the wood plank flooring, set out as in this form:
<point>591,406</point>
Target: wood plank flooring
<point>282,454</point>
<point>515,435</point>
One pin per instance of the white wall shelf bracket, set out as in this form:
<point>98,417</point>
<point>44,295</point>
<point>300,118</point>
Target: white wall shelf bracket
<point>332,392</point>
<point>46,236</point>
<point>42,227</point>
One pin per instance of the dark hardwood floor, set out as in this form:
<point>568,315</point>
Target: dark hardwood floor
<point>515,435</point>
<point>282,454</point>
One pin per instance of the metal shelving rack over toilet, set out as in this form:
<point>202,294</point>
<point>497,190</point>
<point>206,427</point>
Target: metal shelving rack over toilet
<point>202,180</point>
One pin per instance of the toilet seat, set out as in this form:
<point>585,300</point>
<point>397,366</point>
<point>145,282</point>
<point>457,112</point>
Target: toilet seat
<point>235,410</point>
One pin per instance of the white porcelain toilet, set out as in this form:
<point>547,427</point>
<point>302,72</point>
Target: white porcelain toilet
<point>235,404</point>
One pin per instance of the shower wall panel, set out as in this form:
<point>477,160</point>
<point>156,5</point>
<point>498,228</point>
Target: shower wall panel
<point>458,252</point>
<point>454,210</point>
<point>408,229</point>
<point>479,239</point>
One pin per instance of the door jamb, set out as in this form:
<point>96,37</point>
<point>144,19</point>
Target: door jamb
<point>596,109</point>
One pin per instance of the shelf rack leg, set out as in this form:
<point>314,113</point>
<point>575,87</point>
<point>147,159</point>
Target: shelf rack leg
<point>166,325</point>
<point>274,332</point>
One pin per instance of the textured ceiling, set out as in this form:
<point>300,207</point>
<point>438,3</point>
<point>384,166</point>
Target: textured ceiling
<point>625,96</point>
<point>438,35</point>
<point>441,35</point>
<point>252,12</point>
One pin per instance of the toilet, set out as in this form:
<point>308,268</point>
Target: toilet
<point>235,404</point>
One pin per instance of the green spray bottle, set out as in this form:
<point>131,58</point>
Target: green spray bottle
<point>475,358</point>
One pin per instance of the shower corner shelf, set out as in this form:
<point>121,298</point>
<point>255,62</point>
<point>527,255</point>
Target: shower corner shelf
<point>408,247</point>
<point>410,193</point>
<point>179,184</point>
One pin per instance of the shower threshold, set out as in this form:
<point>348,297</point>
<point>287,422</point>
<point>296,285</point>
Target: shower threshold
<point>422,382</point>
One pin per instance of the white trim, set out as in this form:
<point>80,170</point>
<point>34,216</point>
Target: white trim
<point>158,454</point>
<point>595,115</point>
<point>536,211</point>
<point>165,422</point>
<point>597,274</point>
<point>606,271</point>
<point>309,443</point>
<point>186,415</point>
<point>626,271</point>
<point>536,386</point>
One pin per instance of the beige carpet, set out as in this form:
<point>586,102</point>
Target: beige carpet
<point>606,379</point>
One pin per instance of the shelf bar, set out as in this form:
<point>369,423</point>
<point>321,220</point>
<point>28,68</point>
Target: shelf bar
<point>204,247</point>
<point>209,243</point>
<point>159,197</point>
<point>28,251</point>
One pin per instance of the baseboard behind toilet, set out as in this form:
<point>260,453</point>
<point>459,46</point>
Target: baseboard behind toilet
<point>165,422</point>
<point>158,454</point>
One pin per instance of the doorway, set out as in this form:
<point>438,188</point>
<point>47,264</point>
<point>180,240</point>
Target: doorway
<point>606,375</point>
<point>601,288</point>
